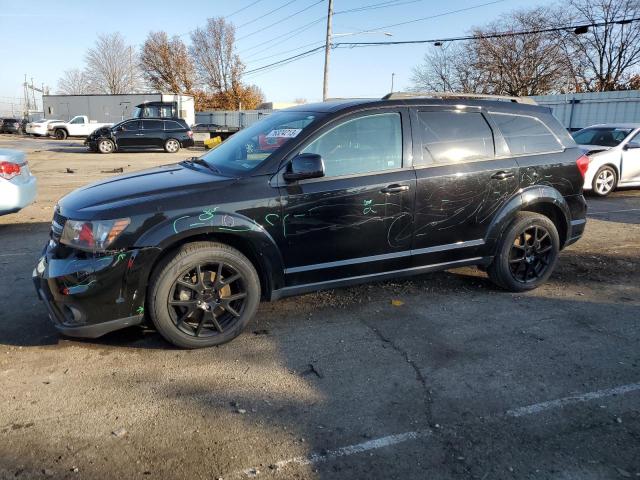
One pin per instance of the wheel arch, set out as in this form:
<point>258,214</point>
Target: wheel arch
<point>254,242</point>
<point>542,199</point>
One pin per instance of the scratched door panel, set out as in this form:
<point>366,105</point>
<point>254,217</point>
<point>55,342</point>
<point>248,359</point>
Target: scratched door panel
<point>343,223</point>
<point>461,184</point>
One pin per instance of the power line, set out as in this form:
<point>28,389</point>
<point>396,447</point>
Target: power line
<point>442,40</point>
<point>281,20</point>
<point>243,9</point>
<point>266,14</point>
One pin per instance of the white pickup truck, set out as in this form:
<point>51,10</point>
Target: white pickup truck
<point>78,126</point>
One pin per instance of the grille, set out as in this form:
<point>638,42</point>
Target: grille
<point>57,225</point>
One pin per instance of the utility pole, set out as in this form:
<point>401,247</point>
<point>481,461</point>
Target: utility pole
<point>392,75</point>
<point>327,50</point>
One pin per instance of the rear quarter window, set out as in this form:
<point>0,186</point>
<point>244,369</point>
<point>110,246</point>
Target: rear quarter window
<point>171,125</point>
<point>526,135</point>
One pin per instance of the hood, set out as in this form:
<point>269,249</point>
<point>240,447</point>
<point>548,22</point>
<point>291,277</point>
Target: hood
<point>154,190</point>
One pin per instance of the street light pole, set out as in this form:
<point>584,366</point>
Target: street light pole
<point>392,75</point>
<point>327,49</point>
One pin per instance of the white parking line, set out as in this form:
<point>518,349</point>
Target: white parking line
<point>561,402</point>
<point>348,450</point>
<point>14,254</point>
<point>390,440</point>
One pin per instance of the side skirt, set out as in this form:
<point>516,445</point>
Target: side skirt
<point>345,282</point>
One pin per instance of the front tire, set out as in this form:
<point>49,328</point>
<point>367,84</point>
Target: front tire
<point>527,253</point>
<point>60,134</point>
<point>604,181</point>
<point>172,145</point>
<point>106,146</point>
<point>203,295</point>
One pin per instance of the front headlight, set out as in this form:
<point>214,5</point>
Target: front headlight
<point>92,236</point>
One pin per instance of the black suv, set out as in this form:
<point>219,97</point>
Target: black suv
<point>354,191</point>
<point>11,125</point>
<point>170,134</point>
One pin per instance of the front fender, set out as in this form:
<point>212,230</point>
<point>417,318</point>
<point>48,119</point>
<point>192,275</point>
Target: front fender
<point>529,197</point>
<point>229,227</point>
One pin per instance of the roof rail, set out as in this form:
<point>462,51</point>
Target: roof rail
<point>480,96</point>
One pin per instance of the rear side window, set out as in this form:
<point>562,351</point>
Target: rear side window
<point>171,125</point>
<point>454,137</point>
<point>526,135</point>
<point>152,124</point>
<point>365,144</point>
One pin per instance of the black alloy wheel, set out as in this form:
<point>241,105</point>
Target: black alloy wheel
<point>526,253</point>
<point>207,299</point>
<point>529,257</point>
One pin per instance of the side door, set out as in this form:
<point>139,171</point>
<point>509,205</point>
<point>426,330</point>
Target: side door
<point>77,126</point>
<point>464,175</point>
<point>152,133</point>
<point>630,169</point>
<point>128,134</point>
<point>357,219</point>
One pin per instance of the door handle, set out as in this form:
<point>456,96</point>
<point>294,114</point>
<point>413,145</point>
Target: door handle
<point>395,188</point>
<point>502,175</point>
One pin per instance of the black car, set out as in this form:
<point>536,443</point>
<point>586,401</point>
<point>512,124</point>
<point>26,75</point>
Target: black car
<point>169,134</point>
<point>356,190</point>
<point>11,125</point>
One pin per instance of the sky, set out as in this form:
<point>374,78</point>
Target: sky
<point>49,40</point>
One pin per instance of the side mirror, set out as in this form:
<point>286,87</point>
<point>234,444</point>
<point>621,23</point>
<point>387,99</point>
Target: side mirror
<point>632,146</point>
<point>303,166</point>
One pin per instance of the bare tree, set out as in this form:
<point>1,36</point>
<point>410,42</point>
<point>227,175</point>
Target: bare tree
<point>112,65</point>
<point>74,82</point>
<point>166,63</point>
<point>449,68</point>
<point>529,64</point>
<point>605,57</point>
<point>218,65</point>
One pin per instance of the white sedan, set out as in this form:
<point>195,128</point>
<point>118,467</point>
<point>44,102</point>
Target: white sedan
<point>17,185</point>
<point>614,156</point>
<point>39,127</point>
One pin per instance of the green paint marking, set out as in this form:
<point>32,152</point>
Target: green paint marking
<point>196,224</point>
<point>207,214</point>
<point>368,207</point>
<point>140,310</point>
<point>120,257</point>
<point>266,218</point>
<point>175,229</point>
<point>284,225</point>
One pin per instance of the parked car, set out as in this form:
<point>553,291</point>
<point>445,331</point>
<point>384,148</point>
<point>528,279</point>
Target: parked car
<point>39,127</point>
<point>17,185</point>
<point>10,125</point>
<point>614,156</point>
<point>362,190</point>
<point>170,134</point>
<point>78,126</point>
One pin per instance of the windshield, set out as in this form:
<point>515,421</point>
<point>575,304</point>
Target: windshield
<point>605,136</point>
<point>246,149</point>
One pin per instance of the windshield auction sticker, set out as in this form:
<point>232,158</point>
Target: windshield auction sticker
<point>284,133</point>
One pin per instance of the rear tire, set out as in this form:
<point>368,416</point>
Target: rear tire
<point>604,181</point>
<point>527,253</point>
<point>60,134</point>
<point>203,295</point>
<point>106,146</point>
<point>172,146</point>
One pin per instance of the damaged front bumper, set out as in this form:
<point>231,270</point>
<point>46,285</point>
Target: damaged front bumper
<point>89,295</point>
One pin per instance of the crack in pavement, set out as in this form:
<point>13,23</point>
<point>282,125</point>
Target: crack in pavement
<point>428,400</point>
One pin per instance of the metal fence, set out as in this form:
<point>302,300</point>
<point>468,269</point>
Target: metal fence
<point>579,110</point>
<point>231,118</point>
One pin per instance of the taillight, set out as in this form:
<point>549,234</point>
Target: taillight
<point>190,134</point>
<point>583,165</point>
<point>9,170</point>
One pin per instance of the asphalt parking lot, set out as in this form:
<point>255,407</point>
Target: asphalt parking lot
<point>442,376</point>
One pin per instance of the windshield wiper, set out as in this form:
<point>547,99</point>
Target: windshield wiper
<point>200,161</point>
